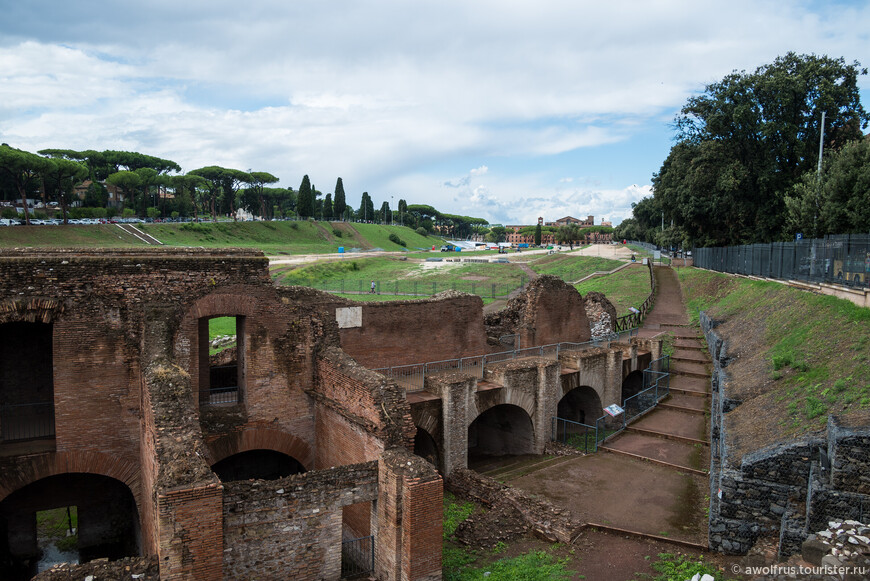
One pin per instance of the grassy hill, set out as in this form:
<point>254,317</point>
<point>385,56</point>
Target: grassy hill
<point>795,356</point>
<point>302,237</point>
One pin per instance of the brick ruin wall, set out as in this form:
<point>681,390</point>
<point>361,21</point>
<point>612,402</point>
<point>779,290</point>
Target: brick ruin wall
<point>445,327</point>
<point>791,489</point>
<point>290,528</point>
<point>126,333</point>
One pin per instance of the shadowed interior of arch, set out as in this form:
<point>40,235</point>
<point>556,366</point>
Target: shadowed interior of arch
<point>581,405</point>
<point>426,448</point>
<point>501,430</point>
<point>100,510</point>
<point>632,385</point>
<point>257,464</point>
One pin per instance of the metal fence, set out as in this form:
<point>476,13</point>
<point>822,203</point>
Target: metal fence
<point>573,434</point>
<point>417,288</point>
<point>656,386</point>
<point>412,377</point>
<point>634,319</point>
<point>841,259</point>
<point>26,421</point>
<point>357,556</point>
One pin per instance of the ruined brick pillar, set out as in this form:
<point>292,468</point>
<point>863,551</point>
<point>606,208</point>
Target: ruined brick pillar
<point>191,533</point>
<point>612,378</point>
<point>549,393</point>
<point>409,517</point>
<point>455,391</point>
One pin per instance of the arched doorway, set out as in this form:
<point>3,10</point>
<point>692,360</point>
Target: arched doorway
<point>426,447</point>
<point>257,464</point>
<point>67,517</point>
<point>581,405</point>
<point>501,430</point>
<point>631,385</point>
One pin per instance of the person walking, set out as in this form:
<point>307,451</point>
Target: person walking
<point>373,287</point>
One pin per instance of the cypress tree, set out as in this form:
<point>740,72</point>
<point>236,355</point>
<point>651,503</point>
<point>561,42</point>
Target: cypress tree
<point>305,199</point>
<point>339,203</point>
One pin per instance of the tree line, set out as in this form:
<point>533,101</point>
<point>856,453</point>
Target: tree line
<point>154,187</point>
<point>744,168</point>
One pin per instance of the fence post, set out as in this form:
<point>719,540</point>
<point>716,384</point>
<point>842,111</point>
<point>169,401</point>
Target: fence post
<point>492,296</point>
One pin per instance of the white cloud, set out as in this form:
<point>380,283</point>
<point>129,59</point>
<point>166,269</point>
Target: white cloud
<point>390,95</point>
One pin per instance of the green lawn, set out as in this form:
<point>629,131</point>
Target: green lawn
<point>97,236</point>
<point>395,276</point>
<point>298,237</point>
<point>629,287</point>
<point>570,267</point>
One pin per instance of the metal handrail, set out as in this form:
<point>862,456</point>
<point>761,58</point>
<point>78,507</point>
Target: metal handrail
<point>551,350</point>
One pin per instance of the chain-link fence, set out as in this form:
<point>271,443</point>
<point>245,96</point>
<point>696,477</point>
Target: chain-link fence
<point>841,259</point>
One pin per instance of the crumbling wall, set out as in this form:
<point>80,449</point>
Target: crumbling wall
<point>548,311</point>
<point>290,528</point>
<point>601,314</point>
<point>447,326</point>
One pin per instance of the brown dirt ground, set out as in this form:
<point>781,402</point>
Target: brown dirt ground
<point>657,500</point>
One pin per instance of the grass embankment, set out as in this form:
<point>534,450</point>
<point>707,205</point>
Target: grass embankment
<point>97,236</point>
<point>301,237</point>
<point>797,356</point>
<point>394,276</point>
<point>571,268</point>
<point>629,287</point>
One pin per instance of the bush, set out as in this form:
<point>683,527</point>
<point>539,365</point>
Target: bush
<point>9,213</point>
<point>336,232</point>
<point>421,231</point>
<point>396,240</point>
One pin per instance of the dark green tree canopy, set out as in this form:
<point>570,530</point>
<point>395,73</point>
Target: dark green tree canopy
<point>747,140</point>
<point>840,204</point>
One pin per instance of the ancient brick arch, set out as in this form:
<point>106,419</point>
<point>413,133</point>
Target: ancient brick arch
<point>73,461</point>
<point>257,438</point>
<point>521,398</point>
<point>35,310</point>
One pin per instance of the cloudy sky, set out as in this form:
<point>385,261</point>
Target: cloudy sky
<point>507,110</point>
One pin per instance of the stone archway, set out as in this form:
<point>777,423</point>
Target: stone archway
<point>426,447</point>
<point>581,405</point>
<point>504,429</point>
<point>102,521</point>
<point>631,385</point>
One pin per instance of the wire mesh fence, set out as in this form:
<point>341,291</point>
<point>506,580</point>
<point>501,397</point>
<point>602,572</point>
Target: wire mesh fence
<point>840,259</point>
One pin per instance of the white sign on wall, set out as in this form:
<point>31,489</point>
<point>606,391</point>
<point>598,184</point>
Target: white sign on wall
<point>348,317</point>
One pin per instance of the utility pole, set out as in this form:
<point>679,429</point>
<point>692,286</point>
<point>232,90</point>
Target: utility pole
<point>819,177</point>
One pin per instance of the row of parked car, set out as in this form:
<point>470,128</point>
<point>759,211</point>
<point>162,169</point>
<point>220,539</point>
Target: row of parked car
<point>89,221</point>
